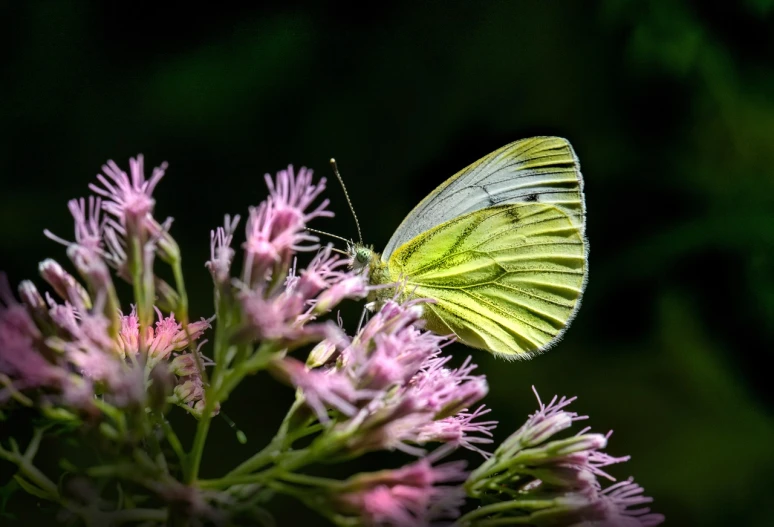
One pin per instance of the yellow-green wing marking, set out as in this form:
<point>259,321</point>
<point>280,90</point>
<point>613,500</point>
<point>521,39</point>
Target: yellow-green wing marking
<point>534,170</point>
<point>507,278</point>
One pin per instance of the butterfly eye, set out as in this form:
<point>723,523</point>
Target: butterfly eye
<point>363,255</point>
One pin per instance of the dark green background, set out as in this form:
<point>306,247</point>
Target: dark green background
<point>669,104</point>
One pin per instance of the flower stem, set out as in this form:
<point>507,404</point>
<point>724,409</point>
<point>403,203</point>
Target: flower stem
<point>202,428</point>
<point>311,481</point>
<point>173,440</point>
<point>503,506</point>
<point>508,520</point>
<point>213,396</point>
<point>257,362</point>
<point>287,462</point>
<point>27,469</point>
<point>278,444</point>
<point>177,271</point>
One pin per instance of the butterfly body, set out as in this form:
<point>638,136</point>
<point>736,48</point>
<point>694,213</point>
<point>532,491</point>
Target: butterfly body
<point>499,248</point>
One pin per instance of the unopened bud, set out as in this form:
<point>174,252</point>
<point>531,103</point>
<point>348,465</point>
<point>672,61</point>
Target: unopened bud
<point>65,285</point>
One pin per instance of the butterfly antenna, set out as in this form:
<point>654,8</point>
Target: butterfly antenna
<point>332,236</point>
<point>346,195</point>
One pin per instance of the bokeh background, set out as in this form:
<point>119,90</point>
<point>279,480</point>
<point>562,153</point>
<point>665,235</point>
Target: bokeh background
<point>669,104</point>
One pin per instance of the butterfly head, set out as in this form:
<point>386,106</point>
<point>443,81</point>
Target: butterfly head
<point>360,256</point>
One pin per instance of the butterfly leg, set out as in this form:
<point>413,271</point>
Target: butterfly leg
<point>367,309</point>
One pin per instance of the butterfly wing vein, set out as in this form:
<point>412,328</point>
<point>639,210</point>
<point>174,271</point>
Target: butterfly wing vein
<point>538,169</point>
<point>507,278</point>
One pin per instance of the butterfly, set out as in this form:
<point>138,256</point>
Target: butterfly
<point>499,249</point>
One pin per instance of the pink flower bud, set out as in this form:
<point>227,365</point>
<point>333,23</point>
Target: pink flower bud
<point>63,283</point>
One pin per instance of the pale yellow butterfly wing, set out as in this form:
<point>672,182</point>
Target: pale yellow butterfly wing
<point>538,169</point>
<point>507,278</point>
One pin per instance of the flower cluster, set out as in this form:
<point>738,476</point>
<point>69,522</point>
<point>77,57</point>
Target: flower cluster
<point>112,378</point>
<point>83,346</point>
<point>538,479</point>
<point>390,388</point>
<point>416,494</point>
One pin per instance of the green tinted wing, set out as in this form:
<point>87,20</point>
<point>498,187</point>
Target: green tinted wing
<point>507,279</point>
<point>538,170</point>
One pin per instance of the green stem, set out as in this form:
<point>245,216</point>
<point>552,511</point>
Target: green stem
<point>33,474</point>
<point>257,362</point>
<point>211,399</point>
<point>503,506</point>
<point>202,428</point>
<point>29,471</point>
<point>173,441</point>
<point>488,470</point>
<point>311,481</point>
<point>284,463</point>
<point>278,444</point>
<point>182,314</point>
<point>15,394</point>
<point>300,494</point>
<point>137,271</point>
<point>177,271</point>
<point>288,462</point>
<point>509,520</point>
<point>42,482</point>
<point>259,459</point>
<point>32,448</point>
<point>158,454</point>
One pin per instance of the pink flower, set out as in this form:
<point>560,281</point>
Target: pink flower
<point>184,365</point>
<point>282,317</point>
<point>412,496</point>
<point>322,389</point>
<point>404,414</point>
<point>95,273</point>
<point>20,361</point>
<point>562,473</point>
<point>292,195</point>
<point>34,302</point>
<point>88,346</point>
<point>89,227</point>
<point>85,343</point>
<point>326,282</point>
<point>63,283</point>
<point>444,391</point>
<point>390,387</point>
<point>167,336</point>
<point>618,499</point>
<point>610,507</point>
<point>324,271</point>
<point>274,318</point>
<point>86,252</point>
<point>549,420</point>
<point>221,253</point>
<point>190,391</point>
<point>275,228</point>
<point>459,430</point>
<point>352,287</point>
<point>64,317</point>
<point>14,319</point>
<point>128,199</point>
<point>389,350</point>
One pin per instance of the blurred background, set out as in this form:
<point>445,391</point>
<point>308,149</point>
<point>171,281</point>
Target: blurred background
<point>668,104</point>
